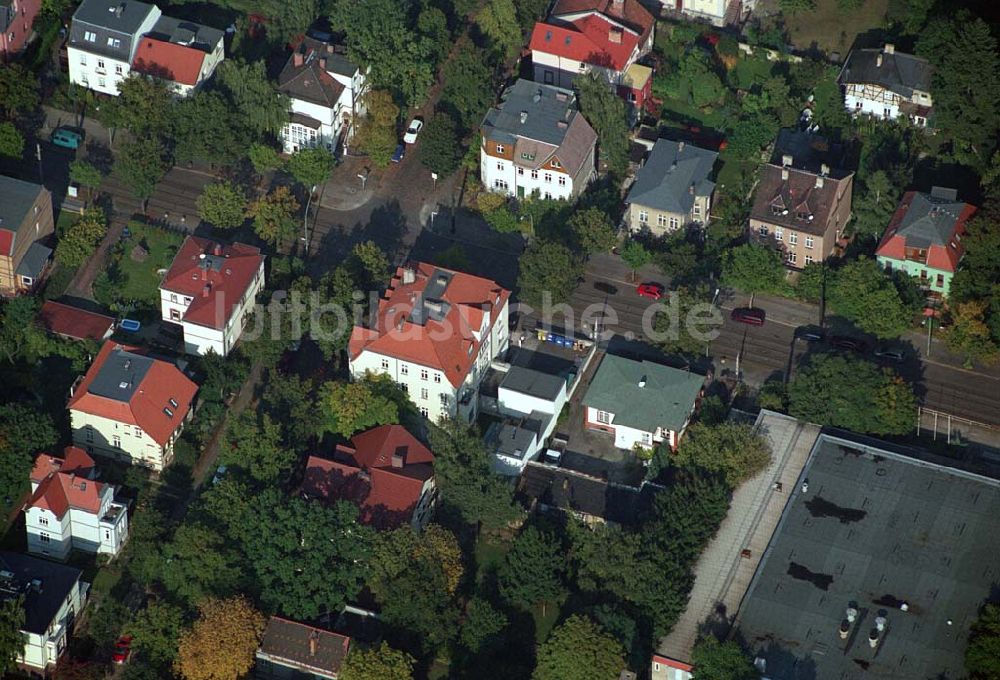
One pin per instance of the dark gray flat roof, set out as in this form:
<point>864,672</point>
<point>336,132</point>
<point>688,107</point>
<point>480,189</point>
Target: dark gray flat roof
<point>874,529</point>
<point>42,603</point>
<point>188,33</point>
<point>121,375</point>
<point>34,260</point>
<point>532,382</point>
<point>105,14</point>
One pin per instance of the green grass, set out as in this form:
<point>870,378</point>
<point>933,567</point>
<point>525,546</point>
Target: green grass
<point>831,29</point>
<point>489,554</point>
<point>545,622</point>
<point>140,280</point>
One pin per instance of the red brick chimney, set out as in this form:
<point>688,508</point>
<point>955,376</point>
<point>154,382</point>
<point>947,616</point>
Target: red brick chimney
<point>297,58</point>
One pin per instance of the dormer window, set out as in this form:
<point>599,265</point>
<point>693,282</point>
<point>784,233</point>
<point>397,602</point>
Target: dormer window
<point>499,148</point>
<point>90,36</point>
<point>802,215</point>
<point>528,156</point>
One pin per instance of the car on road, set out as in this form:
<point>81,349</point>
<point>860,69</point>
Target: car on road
<point>810,333</point>
<point>653,291</point>
<point>753,316</point>
<point>890,354</point>
<point>848,344</point>
<point>123,650</point>
<point>397,156</point>
<point>67,138</point>
<point>416,125</point>
<point>606,288</point>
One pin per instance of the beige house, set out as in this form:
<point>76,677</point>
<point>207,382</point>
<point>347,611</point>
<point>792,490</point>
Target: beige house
<point>801,212</point>
<point>25,223</point>
<point>672,189</point>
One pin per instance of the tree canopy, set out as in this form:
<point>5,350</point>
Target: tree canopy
<point>735,450</point>
<point>223,205</point>
<point>579,649</point>
<point>539,553</point>
<point>222,643</point>
<point>605,111</point>
<point>377,663</point>
<point>12,640</point>
<point>982,656</point>
<point>754,268</point>
<point>865,295</point>
<point>714,660</point>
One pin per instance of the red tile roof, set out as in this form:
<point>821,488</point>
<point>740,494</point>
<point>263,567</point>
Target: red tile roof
<point>66,483</point>
<point>448,345</point>
<point>363,474</point>
<point>629,13</point>
<point>672,663</point>
<point>588,40</point>
<point>167,60</point>
<point>149,401</point>
<point>940,256</point>
<point>215,276</point>
<point>73,322</point>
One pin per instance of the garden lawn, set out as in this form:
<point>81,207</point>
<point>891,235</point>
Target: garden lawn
<point>140,280</point>
<point>832,29</point>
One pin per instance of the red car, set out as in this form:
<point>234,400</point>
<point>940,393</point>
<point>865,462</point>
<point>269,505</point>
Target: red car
<point>123,650</point>
<point>753,316</point>
<point>654,291</point>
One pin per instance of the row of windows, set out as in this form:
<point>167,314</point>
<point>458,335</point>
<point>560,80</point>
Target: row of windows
<point>425,394</point>
<point>661,220</point>
<point>793,237</point>
<point>534,175</point>
<point>404,369</point>
<point>792,258</point>
<point>529,156</point>
<point>119,69</point>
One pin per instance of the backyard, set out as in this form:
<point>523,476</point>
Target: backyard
<point>831,29</point>
<point>132,278</point>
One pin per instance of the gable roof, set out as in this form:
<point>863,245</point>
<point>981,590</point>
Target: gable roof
<point>629,13</point>
<point>899,72</point>
<point>586,40</point>
<point>215,276</point>
<point>33,262</point>
<point>810,152</point>
<point>673,175</point>
<point>643,395</point>
<point>73,322</point>
<point>303,647</point>
<point>366,474</point>
<point>797,194</point>
<point>576,492</point>
<point>128,387</point>
<point>41,604</point>
<point>74,460</point>
<point>306,74</point>
<point>432,321</point>
<point>16,199</point>
<point>66,483</point>
<point>176,50</point>
<point>931,222</point>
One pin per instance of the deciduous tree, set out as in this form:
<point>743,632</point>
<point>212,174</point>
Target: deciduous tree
<point>11,140</point>
<point>863,294</point>
<point>636,256</point>
<point>310,167</point>
<point>155,631</point>
<point>197,563</point>
<point>735,450</point>
<point>377,663</point>
<point>18,90</point>
<point>754,268</point>
<point>714,660</point>
<point>481,626</point>
<point>274,216</point>
<point>78,243</point>
<point>255,447</point>
<point>467,91</point>
<point>547,267</point>
<point>540,554</point>
<point>376,133</point>
<point>223,205</point>
<point>141,164</point>
<point>257,108</point>
<point>579,649</point>
<point>968,334</point>
<point>605,111</point>
<point>86,175</point>
<point>498,21</point>
<point>12,640</point>
<point>982,656</point>
<point>593,230</point>
<point>440,151</point>
<point>351,407</point>
<point>223,641</point>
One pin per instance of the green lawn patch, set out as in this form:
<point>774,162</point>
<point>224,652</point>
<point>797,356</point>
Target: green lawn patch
<point>489,553</point>
<point>133,276</point>
<point>831,29</point>
<point>545,620</point>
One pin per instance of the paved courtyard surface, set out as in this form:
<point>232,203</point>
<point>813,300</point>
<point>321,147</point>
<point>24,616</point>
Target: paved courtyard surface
<point>728,564</point>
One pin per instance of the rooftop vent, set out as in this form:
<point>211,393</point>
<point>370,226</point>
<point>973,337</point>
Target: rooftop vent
<point>642,381</point>
<point>878,64</point>
<point>548,36</point>
<point>784,175</point>
<point>170,414</point>
<point>123,385</point>
<point>173,402</point>
<point>845,629</point>
<point>524,117</point>
<point>537,97</point>
<point>824,169</point>
<point>889,48</point>
<point>409,276</point>
<point>786,160</point>
<point>819,181</point>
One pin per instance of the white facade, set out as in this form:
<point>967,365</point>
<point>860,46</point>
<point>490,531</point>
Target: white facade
<point>102,73</point>
<point>552,69</point>
<point>668,669</point>
<point>712,11</point>
<point>43,650</point>
<point>428,387</point>
<point>297,135</point>
<point>103,532</point>
<point>511,402</point>
<point>630,437</point>
<point>880,102</point>
<point>504,176</point>
<point>96,434</point>
<point>198,338</point>
<point>208,66</point>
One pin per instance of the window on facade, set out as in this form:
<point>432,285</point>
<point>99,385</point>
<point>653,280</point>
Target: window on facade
<point>809,242</point>
<point>424,412</point>
<point>138,431</point>
<point>643,216</point>
<point>423,374</point>
<point>89,433</point>
<point>423,394</point>
<point>114,42</point>
<point>548,195</point>
<point>548,177</point>
<point>385,364</point>
<point>562,181</point>
<point>555,163</point>
<point>674,223</point>
<point>100,63</point>
<point>173,298</point>
<point>793,238</point>
<point>499,148</point>
<point>762,230</point>
<point>119,70</point>
<point>779,233</point>
<point>116,441</point>
<point>696,210</point>
<point>83,59</point>
<point>603,417</point>
<point>437,377</point>
<point>661,220</point>
<point>647,438</point>
<point>44,538</point>
<point>791,257</point>
<point>175,315</point>
<point>499,166</point>
<point>101,82</point>
<point>500,184</point>
<point>404,387</point>
<point>809,259</point>
<point>43,521</point>
<point>940,280</point>
<point>404,369</point>
<point>27,281</point>
<point>444,399</point>
<point>90,36</point>
<point>534,174</point>
<point>520,172</point>
<point>528,156</point>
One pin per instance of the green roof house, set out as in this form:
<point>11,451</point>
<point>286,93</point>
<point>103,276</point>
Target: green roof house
<point>640,402</point>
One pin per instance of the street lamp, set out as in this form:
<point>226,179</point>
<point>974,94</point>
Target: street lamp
<point>305,220</point>
<point>363,176</point>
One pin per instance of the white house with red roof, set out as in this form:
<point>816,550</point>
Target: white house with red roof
<point>210,290</point>
<point>385,471</point>
<point>70,510</point>
<point>665,668</point>
<point>435,333</point>
<point>607,37</point>
<point>183,54</point>
<point>130,406</point>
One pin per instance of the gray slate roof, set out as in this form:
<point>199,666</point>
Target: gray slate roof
<point>901,73</point>
<point>120,375</point>
<point>312,81</point>
<point>875,528</point>
<point>572,491</point>
<point>119,19</point>
<point>665,181</point>
<point>16,199</point>
<point>40,604</point>
<point>930,221</point>
<point>532,382</point>
<point>810,152</point>
<point>187,33</point>
<point>665,400</point>
<point>34,260</point>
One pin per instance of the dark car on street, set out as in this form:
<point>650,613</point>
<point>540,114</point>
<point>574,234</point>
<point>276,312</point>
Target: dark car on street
<point>753,316</point>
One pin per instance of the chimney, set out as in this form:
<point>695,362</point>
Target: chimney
<point>322,63</point>
<point>313,642</point>
<point>615,35</point>
<point>819,181</point>
<point>786,161</point>
<point>409,276</point>
<point>889,48</point>
<point>824,169</point>
<point>784,175</point>
<point>691,189</point>
<point>845,629</point>
<point>680,148</point>
<point>297,59</point>
<point>617,7</point>
<point>642,381</point>
<point>873,638</point>
<point>329,48</point>
<point>206,290</point>
<point>878,60</point>
<point>217,249</point>
<point>524,117</point>
<point>119,10</point>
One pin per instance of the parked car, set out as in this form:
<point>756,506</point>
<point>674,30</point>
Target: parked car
<point>753,316</point>
<point>123,650</point>
<point>810,333</point>
<point>848,344</point>
<point>653,291</point>
<point>220,474</point>
<point>606,288</point>
<point>67,138</point>
<point>416,125</point>
<point>399,153</point>
<point>890,354</point>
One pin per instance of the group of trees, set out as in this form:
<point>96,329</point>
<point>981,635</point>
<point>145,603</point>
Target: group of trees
<point>19,100</point>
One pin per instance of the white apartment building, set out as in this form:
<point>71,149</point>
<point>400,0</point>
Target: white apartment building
<point>70,510</point>
<point>103,39</point>
<point>53,595</point>
<point>130,407</point>
<point>435,333</point>
<point>182,54</point>
<point>888,84</point>
<point>210,291</point>
<point>326,90</point>
<point>537,143</point>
